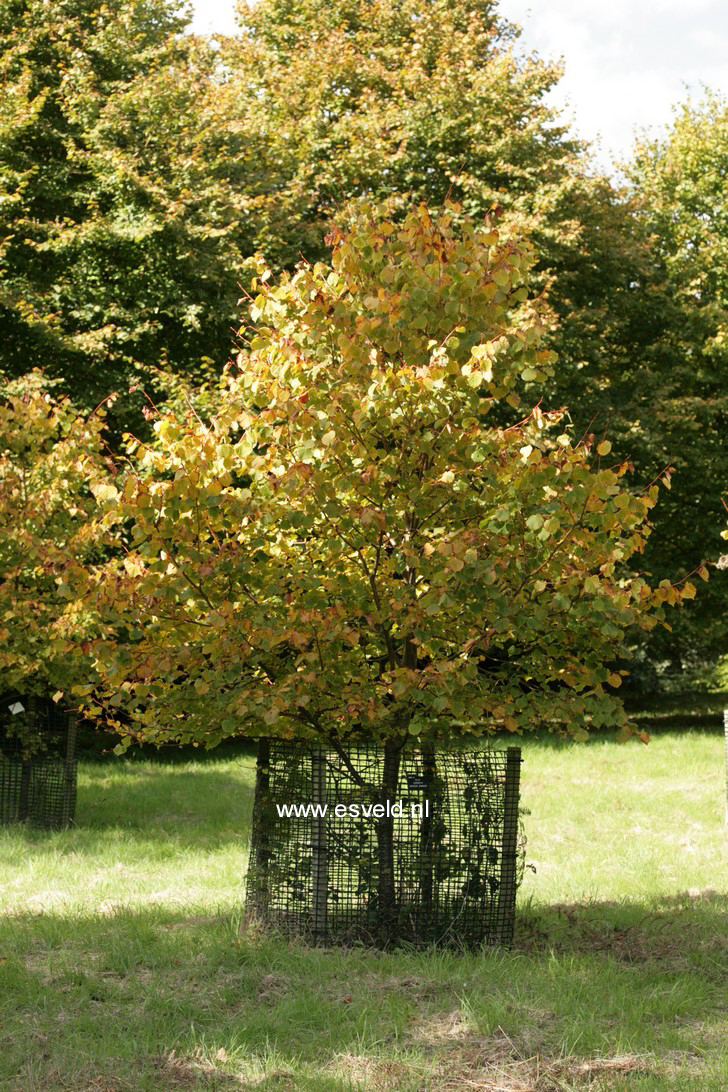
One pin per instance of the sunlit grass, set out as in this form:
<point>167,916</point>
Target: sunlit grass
<point>124,964</point>
<point>146,834</point>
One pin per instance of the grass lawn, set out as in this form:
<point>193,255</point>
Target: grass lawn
<point>123,965</point>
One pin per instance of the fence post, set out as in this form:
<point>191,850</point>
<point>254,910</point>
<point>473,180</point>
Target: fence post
<point>506,911</point>
<point>27,765</point>
<point>319,860</point>
<point>69,773</point>
<point>260,834</point>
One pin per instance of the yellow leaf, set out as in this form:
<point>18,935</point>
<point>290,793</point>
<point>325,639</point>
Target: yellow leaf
<point>604,448</point>
<point>104,491</point>
<point>688,591</point>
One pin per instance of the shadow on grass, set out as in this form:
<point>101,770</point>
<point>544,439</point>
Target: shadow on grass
<point>683,929</point>
<point>595,992</point>
<point>193,806</point>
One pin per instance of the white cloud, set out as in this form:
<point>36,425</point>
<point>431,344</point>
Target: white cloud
<point>213,16</point>
<point>627,64</point>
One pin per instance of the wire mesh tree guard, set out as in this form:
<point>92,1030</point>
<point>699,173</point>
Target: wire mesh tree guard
<point>38,769</point>
<point>344,850</point>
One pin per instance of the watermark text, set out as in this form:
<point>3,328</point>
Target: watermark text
<point>396,809</point>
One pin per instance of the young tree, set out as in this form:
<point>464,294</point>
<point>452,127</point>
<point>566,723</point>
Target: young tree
<point>351,549</point>
<point>49,538</point>
<point>420,100</point>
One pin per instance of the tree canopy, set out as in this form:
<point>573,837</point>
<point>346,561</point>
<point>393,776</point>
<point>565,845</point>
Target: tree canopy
<point>351,545</point>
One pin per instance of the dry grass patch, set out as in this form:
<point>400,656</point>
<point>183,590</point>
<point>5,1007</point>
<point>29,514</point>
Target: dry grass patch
<point>273,988</point>
<point>380,1074</point>
<point>500,1071</point>
<point>184,1071</point>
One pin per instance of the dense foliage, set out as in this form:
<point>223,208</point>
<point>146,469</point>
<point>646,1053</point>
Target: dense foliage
<point>113,230</point>
<point>49,537</point>
<point>351,545</point>
<point>668,402</point>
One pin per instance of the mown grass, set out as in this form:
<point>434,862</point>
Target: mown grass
<point>124,963</point>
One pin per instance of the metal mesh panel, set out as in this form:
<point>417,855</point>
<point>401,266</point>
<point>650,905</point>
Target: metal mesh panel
<point>443,867</point>
<point>38,772</point>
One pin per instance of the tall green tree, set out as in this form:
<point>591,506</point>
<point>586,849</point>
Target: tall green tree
<point>668,400</point>
<point>430,100</point>
<point>115,229</point>
<point>427,100</point>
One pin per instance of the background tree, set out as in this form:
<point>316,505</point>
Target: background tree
<point>373,99</point>
<point>115,229</point>
<point>668,400</point>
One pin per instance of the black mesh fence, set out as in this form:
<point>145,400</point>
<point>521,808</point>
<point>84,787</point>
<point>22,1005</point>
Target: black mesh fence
<point>361,844</point>
<point>38,773</point>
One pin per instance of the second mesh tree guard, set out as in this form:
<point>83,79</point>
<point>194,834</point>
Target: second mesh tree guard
<point>350,844</point>
<point>38,772</point>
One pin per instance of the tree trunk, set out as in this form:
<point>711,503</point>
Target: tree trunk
<point>24,798</point>
<point>387,900</point>
<point>319,861</point>
<point>69,774</point>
